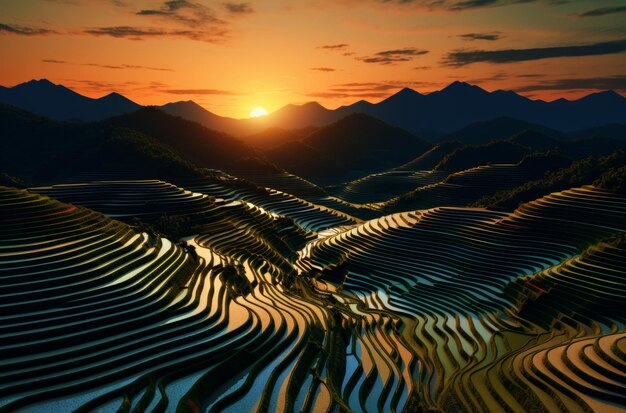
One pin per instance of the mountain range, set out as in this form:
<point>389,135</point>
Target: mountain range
<point>430,115</point>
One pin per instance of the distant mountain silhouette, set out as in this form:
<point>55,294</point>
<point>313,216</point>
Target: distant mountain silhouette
<point>58,102</point>
<point>357,143</point>
<point>612,131</point>
<point>461,104</point>
<point>496,129</point>
<point>288,117</point>
<point>445,111</point>
<point>190,110</point>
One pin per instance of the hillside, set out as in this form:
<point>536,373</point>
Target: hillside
<point>146,143</point>
<point>358,144</point>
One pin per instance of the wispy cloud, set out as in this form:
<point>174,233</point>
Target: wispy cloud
<point>324,69</point>
<point>143,33</point>
<point>109,66</point>
<point>617,83</point>
<point>59,62</point>
<point>465,5</point>
<point>24,30</point>
<point>602,11</point>
<point>340,46</point>
<point>366,90</point>
<point>183,11</point>
<point>481,36</point>
<point>460,58</point>
<point>201,92</point>
<point>238,8</point>
<point>387,57</point>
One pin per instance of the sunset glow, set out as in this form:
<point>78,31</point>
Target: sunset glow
<point>258,112</point>
<point>332,52</point>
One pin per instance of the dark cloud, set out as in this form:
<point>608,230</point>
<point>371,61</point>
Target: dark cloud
<point>460,58</point>
<point>238,8</point>
<point>142,33</point>
<point>323,69</point>
<point>340,46</point>
<point>183,11</point>
<point>481,36</point>
<point>603,11</point>
<point>464,5</point>
<point>472,4</point>
<point>24,30</point>
<point>617,83</point>
<point>422,67</point>
<point>54,61</point>
<point>339,95</point>
<point>200,92</point>
<point>387,57</point>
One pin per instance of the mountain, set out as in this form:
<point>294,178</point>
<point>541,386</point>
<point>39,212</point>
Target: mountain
<point>58,102</point>
<point>496,129</point>
<point>612,131</point>
<point>147,142</point>
<point>357,143</point>
<point>461,104</point>
<point>193,142</point>
<point>445,111</point>
<point>190,110</point>
<point>291,116</point>
<point>276,136</point>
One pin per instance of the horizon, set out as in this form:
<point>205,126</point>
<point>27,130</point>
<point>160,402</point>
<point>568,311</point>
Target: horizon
<point>232,57</point>
<point>393,93</point>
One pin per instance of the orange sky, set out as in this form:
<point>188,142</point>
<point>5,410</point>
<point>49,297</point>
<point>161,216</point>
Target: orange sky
<point>233,56</point>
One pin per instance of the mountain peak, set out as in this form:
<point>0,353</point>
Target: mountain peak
<point>462,87</point>
<point>37,83</point>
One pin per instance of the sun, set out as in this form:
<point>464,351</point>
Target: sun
<point>258,112</point>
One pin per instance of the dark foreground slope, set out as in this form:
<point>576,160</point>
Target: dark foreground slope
<point>145,143</point>
<point>351,147</point>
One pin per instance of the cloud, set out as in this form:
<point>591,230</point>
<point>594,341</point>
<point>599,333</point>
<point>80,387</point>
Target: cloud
<point>238,8</point>
<point>142,33</point>
<point>55,61</point>
<point>617,83</point>
<point>387,57</point>
<point>108,66</point>
<point>365,90</point>
<point>465,5</point>
<point>323,69</point>
<point>603,11</point>
<point>183,11</point>
<point>24,30</point>
<point>481,36</point>
<point>422,67</point>
<point>200,92</point>
<point>339,95</point>
<point>340,46</point>
<point>460,58</point>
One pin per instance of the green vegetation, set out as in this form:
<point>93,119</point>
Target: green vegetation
<point>607,171</point>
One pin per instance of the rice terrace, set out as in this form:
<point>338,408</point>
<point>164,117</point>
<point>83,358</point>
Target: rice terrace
<point>425,212</point>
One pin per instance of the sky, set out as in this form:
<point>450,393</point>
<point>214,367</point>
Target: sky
<point>231,57</point>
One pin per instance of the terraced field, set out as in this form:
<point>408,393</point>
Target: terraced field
<point>303,189</point>
<point>448,309</point>
<point>486,301</point>
<point>463,188</point>
<point>383,186</point>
